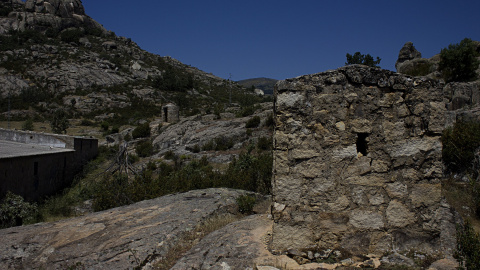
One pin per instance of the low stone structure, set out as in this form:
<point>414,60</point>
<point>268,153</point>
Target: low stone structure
<point>170,113</point>
<point>35,165</point>
<point>357,163</point>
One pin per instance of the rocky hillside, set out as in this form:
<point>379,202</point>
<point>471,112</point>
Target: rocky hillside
<point>264,84</point>
<point>54,56</point>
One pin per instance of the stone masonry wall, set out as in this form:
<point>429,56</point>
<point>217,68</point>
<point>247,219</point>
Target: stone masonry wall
<point>357,163</point>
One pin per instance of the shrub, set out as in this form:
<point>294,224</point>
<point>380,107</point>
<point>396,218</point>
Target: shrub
<point>141,131</point>
<point>88,123</point>
<point>14,211</point>
<point>59,122</point>
<point>264,143</point>
<point>132,158</point>
<point>71,35</point>
<point>250,172</point>
<point>218,144</point>
<point>51,32</point>
<point>459,145</point>
<point>459,62</point>
<point>468,247</point>
<point>28,124</point>
<point>362,59</point>
<point>170,155</point>
<point>104,126</point>
<point>253,122</point>
<point>93,31</point>
<point>245,204</point>
<point>421,69</point>
<point>115,129</point>
<point>246,111</point>
<point>144,149</point>
<point>270,122</point>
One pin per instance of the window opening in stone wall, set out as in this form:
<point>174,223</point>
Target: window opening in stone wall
<point>362,145</point>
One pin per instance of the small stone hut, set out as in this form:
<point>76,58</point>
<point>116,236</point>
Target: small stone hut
<point>170,113</point>
<point>357,163</point>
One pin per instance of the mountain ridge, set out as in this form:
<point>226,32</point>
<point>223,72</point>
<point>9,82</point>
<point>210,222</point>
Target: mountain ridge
<point>53,55</point>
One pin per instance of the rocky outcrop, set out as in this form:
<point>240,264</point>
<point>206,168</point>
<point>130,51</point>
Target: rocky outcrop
<point>119,238</point>
<point>410,62</point>
<point>408,52</point>
<point>238,245</point>
<point>197,131</point>
<point>357,162</point>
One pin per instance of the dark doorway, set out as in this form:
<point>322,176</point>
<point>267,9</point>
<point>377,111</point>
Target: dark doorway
<point>165,114</point>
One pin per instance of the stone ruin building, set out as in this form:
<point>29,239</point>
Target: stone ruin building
<point>170,113</point>
<point>357,163</point>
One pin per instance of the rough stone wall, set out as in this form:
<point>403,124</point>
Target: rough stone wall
<point>357,163</point>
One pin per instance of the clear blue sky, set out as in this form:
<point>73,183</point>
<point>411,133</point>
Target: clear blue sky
<point>282,39</point>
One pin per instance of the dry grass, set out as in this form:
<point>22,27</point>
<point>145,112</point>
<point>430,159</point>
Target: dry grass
<point>191,238</point>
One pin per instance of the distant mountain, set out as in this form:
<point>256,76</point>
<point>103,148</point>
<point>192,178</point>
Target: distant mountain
<point>265,84</point>
<point>53,56</point>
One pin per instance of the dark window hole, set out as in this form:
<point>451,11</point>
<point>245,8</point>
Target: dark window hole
<point>362,145</point>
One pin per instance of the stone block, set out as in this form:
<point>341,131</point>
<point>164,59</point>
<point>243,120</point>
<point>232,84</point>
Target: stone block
<point>365,219</point>
<point>426,194</point>
<point>291,237</point>
<point>398,215</point>
<point>397,190</point>
<point>361,126</point>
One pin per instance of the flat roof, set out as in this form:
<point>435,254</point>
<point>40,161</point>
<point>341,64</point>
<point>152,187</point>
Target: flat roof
<point>9,149</point>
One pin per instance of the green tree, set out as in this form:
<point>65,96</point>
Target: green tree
<point>14,211</point>
<point>362,59</point>
<point>59,122</point>
<point>141,131</point>
<point>459,62</point>
<point>28,124</point>
<point>459,145</point>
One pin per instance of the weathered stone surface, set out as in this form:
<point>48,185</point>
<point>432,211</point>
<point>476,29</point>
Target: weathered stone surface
<point>444,264</point>
<point>195,132</point>
<point>236,246</point>
<point>426,194</point>
<point>366,220</point>
<point>373,157</point>
<point>109,239</point>
<point>398,214</point>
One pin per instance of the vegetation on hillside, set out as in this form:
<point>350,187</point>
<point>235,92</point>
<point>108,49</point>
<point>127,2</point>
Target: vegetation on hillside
<point>459,61</point>
<point>461,144</point>
<point>251,171</point>
<point>362,59</point>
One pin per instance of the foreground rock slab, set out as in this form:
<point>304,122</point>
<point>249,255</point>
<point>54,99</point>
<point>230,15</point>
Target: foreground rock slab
<point>235,246</point>
<point>119,238</point>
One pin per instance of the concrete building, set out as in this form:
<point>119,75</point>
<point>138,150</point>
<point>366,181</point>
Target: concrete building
<point>35,165</point>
